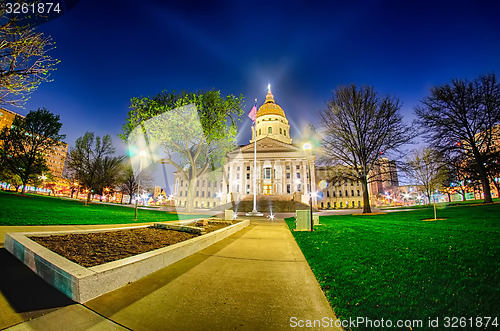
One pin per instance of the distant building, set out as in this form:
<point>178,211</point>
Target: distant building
<point>55,159</point>
<point>282,167</point>
<point>7,118</point>
<point>385,177</point>
<point>282,171</point>
<point>337,189</point>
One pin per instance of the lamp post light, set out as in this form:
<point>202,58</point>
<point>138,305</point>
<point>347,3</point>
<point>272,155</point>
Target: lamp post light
<point>142,154</point>
<point>307,150</point>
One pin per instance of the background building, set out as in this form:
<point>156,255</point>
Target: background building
<point>282,167</point>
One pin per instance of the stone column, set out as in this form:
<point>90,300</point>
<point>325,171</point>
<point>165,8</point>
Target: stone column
<point>273,163</point>
<point>305,168</point>
<point>283,177</point>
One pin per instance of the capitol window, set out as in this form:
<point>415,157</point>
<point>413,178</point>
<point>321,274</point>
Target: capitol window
<point>267,173</point>
<point>270,130</point>
<point>281,131</point>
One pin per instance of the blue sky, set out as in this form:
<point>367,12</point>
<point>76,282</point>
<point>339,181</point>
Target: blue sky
<point>111,51</point>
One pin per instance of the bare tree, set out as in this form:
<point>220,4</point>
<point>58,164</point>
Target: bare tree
<point>93,163</point>
<point>359,126</point>
<point>460,117</point>
<point>427,167</point>
<point>129,181</point>
<point>24,59</point>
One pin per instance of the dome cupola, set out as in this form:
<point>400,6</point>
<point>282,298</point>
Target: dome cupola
<point>271,121</point>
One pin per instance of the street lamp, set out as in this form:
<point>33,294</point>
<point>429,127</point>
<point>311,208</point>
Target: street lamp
<point>307,149</point>
<point>142,154</point>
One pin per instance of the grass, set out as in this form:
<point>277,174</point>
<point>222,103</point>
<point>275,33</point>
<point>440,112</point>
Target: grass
<point>43,210</point>
<point>439,204</point>
<point>397,267</point>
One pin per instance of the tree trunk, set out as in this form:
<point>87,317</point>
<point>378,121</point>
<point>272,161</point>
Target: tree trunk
<point>464,195</point>
<point>190,195</point>
<point>24,188</point>
<point>88,197</point>
<point>366,196</point>
<point>485,183</point>
<point>483,178</point>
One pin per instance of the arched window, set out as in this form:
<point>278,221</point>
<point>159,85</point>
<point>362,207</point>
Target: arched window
<point>260,132</point>
<point>270,130</point>
<point>281,131</point>
<point>284,132</point>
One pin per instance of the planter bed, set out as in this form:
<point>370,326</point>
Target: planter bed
<point>85,283</point>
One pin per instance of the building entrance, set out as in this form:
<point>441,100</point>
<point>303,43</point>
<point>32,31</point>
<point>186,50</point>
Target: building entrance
<point>267,189</point>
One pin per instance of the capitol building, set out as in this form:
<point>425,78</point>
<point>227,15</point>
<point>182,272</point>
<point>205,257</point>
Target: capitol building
<point>282,171</point>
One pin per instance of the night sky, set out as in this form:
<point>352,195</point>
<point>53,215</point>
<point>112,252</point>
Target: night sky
<point>111,51</point>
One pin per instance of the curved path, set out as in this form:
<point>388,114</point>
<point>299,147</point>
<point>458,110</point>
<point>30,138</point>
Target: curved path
<point>255,279</point>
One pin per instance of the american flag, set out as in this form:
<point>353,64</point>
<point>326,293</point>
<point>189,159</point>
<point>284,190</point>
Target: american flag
<point>253,112</point>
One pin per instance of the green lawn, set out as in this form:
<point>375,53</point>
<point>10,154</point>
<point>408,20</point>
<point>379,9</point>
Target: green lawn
<point>43,210</point>
<point>398,267</point>
<point>439,204</point>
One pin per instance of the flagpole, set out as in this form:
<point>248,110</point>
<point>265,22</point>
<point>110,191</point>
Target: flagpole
<point>254,169</point>
<point>252,115</point>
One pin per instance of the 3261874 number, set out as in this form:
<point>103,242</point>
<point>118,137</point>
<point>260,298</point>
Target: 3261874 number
<point>470,322</point>
<point>32,8</point>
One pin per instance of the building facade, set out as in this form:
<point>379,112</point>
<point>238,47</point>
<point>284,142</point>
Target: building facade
<point>282,168</point>
<point>282,171</point>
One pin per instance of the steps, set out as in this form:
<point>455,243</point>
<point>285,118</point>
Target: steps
<point>265,204</point>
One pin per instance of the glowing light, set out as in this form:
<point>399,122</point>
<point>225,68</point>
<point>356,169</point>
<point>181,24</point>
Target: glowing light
<point>142,153</point>
<point>314,194</point>
<point>235,216</point>
<point>269,87</point>
<point>307,147</point>
<point>323,184</point>
<point>271,217</point>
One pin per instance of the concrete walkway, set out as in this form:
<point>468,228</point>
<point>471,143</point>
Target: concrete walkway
<point>254,279</point>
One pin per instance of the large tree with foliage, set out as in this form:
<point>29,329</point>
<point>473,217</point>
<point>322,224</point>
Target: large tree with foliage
<point>460,117</point>
<point>194,130</point>
<point>427,168</point>
<point>25,61</point>
<point>94,164</point>
<point>359,126</point>
<point>26,144</point>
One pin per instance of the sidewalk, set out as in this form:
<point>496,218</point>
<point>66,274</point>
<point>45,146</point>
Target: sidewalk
<point>254,279</point>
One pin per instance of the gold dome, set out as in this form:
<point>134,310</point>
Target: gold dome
<point>270,107</point>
